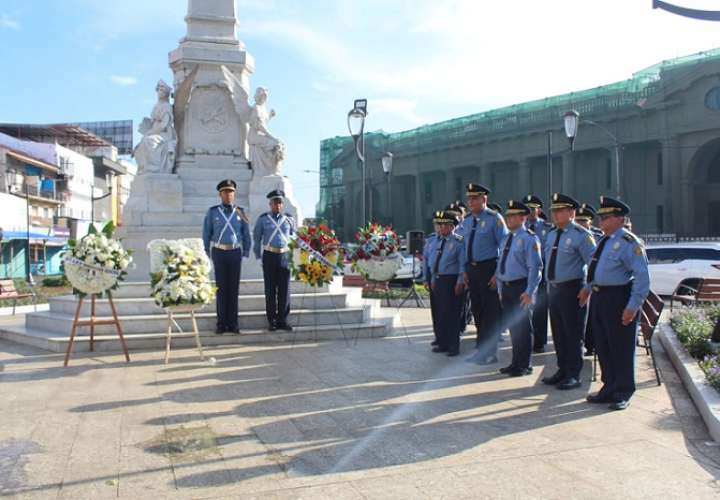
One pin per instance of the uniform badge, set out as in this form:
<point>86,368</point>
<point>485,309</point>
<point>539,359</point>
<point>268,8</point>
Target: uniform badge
<point>616,245</point>
<point>568,242</point>
<point>638,251</point>
<point>544,232</point>
<point>590,238</point>
<point>499,222</point>
<point>482,224</point>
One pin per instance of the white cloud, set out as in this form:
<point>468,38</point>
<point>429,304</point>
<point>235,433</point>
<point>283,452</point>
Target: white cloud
<point>404,109</point>
<point>8,22</point>
<point>123,80</point>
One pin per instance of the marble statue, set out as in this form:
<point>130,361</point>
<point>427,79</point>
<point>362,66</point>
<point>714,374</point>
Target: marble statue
<point>156,151</point>
<point>266,151</point>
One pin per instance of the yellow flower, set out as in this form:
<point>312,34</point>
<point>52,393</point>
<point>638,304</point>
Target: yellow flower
<point>303,257</point>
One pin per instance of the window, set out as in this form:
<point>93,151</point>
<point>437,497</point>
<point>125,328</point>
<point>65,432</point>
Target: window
<point>712,99</point>
<point>664,255</point>
<point>702,254</point>
<point>660,218</point>
<point>660,169</point>
<point>608,174</point>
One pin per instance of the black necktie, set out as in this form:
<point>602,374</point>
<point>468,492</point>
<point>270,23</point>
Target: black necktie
<point>595,259</point>
<point>553,256</point>
<point>471,239</point>
<point>505,253</point>
<point>439,256</point>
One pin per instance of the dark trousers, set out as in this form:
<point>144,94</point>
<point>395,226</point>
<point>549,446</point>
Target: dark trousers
<point>433,314</point>
<point>485,305</point>
<point>540,317</point>
<point>518,320</point>
<point>614,343</point>
<point>446,307</point>
<point>465,310</point>
<point>227,264</point>
<point>567,319</point>
<point>276,274</point>
<point>589,340</point>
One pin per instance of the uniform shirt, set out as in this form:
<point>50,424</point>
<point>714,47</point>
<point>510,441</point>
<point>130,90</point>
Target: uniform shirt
<point>266,233</point>
<point>459,230</point>
<point>523,260</point>
<point>623,259</point>
<point>217,229</point>
<point>451,260</point>
<point>490,229</point>
<point>427,276</point>
<point>597,233</point>
<point>541,230</point>
<point>575,250</point>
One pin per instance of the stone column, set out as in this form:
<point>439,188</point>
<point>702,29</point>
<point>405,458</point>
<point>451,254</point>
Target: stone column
<point>418,202</point>
<point>673,174</point>
<point>523,176</point>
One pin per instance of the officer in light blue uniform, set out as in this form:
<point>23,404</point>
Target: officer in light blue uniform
<point>444,278</point>
<point>226,237</point>
<point>459,209</point>
<point>568,250</point>
<point>619,281</point>
<point>540,309</point>
<point>426,278</point>
<point>483,230</point>
<point>271,236</point>
<point>518,277</point>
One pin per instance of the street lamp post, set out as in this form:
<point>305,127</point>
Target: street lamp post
<point>572,126</point>
<point>356,127</point>
<point>387,165</point>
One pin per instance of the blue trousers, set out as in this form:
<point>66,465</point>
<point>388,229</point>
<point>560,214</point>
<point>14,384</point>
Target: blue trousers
<point>276,273</point>
<point>518,320</point>
<point>228,264</point>
<point>567,319</point>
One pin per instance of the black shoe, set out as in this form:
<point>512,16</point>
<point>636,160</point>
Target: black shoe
<point>598,398</point>
<point>539,349</point>
<point>284,326</point>
<point>569,383</point>
<point>520,372</point>
<point>439,349</point>
<point>619,405</point>
<point>219,330</point>
<point>506,369</point>
<point>234,331</point>
<point>272,327</point>
<point>589,353</point>
<point>554,380</point>
<point>452,354</point>
<point>434,343</point>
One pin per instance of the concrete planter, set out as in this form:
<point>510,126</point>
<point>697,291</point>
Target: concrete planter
<point>706,398</point>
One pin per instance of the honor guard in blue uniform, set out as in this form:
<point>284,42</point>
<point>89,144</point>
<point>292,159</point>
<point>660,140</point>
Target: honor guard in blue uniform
<point>518,276</point>
<point>226,237</point>
<point>540,309</point>
<point>584,216</point>
<point>568,250</point>
<point>271,236</point>
<point>483,229</point>
<point>619,282</point>
<point>444,279</point>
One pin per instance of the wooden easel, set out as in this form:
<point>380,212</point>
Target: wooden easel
<point>171,319</point>
<point>91,323</point>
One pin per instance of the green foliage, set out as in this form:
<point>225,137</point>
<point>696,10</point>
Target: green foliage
<point>694,327</point>
<point>711,367</point>
<point>52,281</point>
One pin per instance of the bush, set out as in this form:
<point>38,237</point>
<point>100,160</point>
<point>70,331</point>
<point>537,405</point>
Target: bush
<point>711,366</point>
<point>694,328</point>
<point>60,280</point>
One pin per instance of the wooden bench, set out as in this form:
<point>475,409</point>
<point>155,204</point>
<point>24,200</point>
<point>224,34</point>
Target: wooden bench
<point>707,291</point>
<point>649,317</point>
<point>8,291</point>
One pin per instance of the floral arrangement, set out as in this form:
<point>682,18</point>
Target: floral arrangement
<point>180,274</point>
<point>97,262</point>
<point>694,329</point>
<point>316,253</point>
<point>377,257</point>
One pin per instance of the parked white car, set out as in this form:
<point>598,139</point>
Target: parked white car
<point>673,263</point>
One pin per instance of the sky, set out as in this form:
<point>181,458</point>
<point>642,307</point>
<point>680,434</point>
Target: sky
<point>416,61</point>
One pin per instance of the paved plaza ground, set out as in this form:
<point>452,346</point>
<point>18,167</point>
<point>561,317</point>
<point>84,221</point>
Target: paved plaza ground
<point>383,418</point>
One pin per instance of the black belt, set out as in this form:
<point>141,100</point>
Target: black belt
<point>477,263</point>
<point>608,288</point>
<point>515,282</point>
<point>566,284</point>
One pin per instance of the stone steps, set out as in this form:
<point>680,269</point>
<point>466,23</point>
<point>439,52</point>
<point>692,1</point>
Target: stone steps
<point>131,306</point>
<point>140,289</point>
<point>247,320</point>
<point>140,341</point>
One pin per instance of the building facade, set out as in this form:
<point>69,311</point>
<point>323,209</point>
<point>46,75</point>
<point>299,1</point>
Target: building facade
<point>666,119</point>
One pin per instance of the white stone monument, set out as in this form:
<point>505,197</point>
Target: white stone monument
<point>213,133</point>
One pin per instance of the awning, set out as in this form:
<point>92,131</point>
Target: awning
<point>32,161</point>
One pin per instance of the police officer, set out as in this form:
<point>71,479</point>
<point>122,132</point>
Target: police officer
<point>483,229</point>
<point>427,277</point>
<point>518,276</point>
<point>444,278</point>
<point>271,236</point>
<point>584,216</point>
<point>540,309</point>
<point>619,282</point>
<point>458,209</point>
<point>226,237</point>
<point>568,250</point>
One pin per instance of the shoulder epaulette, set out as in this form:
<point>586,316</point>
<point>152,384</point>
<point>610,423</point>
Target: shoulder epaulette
<point>458,237</point>
<point>490,211</point>
<point>242,214</point>
<point>628,236</point>
<point>530,231</point>
<point>579,228</point>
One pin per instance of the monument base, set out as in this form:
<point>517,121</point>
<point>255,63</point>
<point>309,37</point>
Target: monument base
<point>259,189</point>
